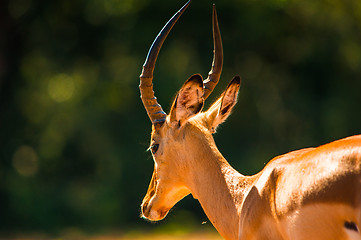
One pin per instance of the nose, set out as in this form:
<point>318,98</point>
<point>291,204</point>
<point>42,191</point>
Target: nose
<point>145,210</point>
<point>153,214</point>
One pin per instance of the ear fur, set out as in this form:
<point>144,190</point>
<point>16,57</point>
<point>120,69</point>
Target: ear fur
<point>189,100</point>
<point>222,108</point>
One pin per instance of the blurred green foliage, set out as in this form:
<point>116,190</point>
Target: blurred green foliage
<point>74,133</point>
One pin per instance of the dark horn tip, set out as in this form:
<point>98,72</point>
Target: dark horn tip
<point>237,79</point>
<point>214,13</point>
<point>186,5</point>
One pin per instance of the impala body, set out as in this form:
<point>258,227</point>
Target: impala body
<point>313,193</point>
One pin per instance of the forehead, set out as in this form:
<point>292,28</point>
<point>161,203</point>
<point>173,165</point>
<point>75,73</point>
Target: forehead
<point>195,123</point>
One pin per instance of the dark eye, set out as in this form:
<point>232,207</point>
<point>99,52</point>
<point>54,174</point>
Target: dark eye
<point>154,148</point>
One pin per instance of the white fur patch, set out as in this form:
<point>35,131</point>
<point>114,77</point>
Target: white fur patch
<point>352,235</point>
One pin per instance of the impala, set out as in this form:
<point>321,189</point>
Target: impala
<point>312,193</point>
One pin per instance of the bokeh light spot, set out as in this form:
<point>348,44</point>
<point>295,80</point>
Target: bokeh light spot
<point>25,161</point>
<point>61,87</point>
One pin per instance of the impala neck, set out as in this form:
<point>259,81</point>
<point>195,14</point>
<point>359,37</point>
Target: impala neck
<point>219,188</point>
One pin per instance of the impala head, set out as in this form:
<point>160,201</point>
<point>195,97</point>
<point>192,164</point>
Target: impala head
<point>186,129</point>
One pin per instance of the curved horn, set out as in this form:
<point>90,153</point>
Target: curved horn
<point>154,110</point>
<point>215,73</point>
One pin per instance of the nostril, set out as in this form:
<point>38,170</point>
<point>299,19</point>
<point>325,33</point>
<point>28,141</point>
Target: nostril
<point>152,193</point>
<point>145,209</point>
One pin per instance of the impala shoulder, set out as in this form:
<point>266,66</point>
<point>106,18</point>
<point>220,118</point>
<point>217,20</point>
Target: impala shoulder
<point>259,209</point>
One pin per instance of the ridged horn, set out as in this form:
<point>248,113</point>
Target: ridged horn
<point>153,108</point>
<point>215,72</point>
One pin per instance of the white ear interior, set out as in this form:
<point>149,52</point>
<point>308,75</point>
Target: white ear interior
<point>189,100</point>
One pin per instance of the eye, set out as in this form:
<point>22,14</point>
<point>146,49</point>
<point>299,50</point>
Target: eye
<point>154,148</point>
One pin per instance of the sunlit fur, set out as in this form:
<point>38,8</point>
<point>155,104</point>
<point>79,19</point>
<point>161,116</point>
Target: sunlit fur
<point>312,193</point>
<point>305,194</point>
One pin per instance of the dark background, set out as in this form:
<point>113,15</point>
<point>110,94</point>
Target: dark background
<point>74,133</point>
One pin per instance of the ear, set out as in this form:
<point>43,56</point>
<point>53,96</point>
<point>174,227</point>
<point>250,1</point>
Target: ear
<point>189,100</point>
<point>222,108</point>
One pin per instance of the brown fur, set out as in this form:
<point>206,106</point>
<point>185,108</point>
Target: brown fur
<point>314,189</point>
<point>312,193</point>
